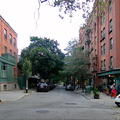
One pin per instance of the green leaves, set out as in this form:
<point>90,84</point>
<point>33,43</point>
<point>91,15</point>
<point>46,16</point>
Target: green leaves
<point>45,57</point>
<point>26,68</point>
<point>75,62</point>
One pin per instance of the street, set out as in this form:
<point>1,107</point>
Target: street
<point>56,104</point>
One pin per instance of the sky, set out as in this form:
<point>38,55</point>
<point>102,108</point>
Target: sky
<point>22,17</point>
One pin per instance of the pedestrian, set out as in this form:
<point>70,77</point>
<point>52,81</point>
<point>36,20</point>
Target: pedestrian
<point>118,89</point>
<point>113,92</point>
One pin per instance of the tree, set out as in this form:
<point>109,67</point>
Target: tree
<point>45,56</point>
<point>26,70</point>
<point>68,6</point>
<point>76,63</point>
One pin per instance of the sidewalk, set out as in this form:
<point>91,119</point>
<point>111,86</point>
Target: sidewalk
<point>104,99</point>
<point>13,95</point>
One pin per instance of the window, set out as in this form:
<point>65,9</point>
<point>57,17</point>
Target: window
<point>103,49</point>
<point>111,62</point>
<point>101,64</point>
<point>104,63</point>
<point>14,54</point>
<point>5,87</point>
<point>111,44</point>
<point>110,6</point>
<point>102,18</point>
<point>95,40</point>
<point>14,42</point>
<point>5,34</point>
<point>11,52</point>
<point>5,49</point>
<point>10,39</point>
<point>110,26</point>
<point>14,72</point>
<point>103,34</point>
<point>3,70</point>
<point>95,27</point>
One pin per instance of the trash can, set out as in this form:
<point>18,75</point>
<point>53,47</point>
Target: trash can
<point>87,90</point>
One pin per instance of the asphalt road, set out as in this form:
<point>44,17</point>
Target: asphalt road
<point>56,104</point>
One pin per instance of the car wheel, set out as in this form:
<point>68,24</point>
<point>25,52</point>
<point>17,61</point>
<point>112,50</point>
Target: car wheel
<point>118,104</point>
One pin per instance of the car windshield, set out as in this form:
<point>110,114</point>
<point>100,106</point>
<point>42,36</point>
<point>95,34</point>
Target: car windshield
<point>42,84</point>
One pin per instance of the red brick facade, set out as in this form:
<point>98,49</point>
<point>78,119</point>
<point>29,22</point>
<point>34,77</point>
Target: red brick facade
<point>102,39</point>
<point>8,56</point>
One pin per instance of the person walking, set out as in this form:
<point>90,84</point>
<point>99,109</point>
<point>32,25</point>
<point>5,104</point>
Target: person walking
<point>118,89</point>
<point>113,91</point>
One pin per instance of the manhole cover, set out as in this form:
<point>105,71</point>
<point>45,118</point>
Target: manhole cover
<point>71,103</point>
<point>42,111</point>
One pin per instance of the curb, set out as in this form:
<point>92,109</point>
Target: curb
<point>22,96</point>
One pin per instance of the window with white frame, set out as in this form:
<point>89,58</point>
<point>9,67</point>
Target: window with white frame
<point>102,18</point>
<point>5,34</point>
<point>11,52</point>
<point>104,63</point>
<point>111,43</point>
<point>3,70</point>
<point>103,49</point>
<point>110,23</point>
<point>103,34</point>
<point>10,39</point>
<point>110,6</point>
<point>14,42</point>
<point>111,61</point>
<point>5,49</point>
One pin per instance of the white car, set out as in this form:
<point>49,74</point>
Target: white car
<point>117,100</point>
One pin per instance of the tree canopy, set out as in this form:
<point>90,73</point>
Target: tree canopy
<point>77,62</point>
<point>68,6</point>
<point>45,57</point>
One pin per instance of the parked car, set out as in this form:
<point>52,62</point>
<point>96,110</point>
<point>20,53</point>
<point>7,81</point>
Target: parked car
<point>52,86</point>
<point>42,87</point>
<point>117,100</point>
<point>70,87</point>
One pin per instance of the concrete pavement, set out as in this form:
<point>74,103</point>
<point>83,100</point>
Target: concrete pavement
<point>13,95</point>
<point>104,99</point>
<point>17,94</point>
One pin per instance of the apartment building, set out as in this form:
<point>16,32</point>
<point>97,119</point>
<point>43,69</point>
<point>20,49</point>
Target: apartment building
<point>8,56</point>
<point>102,39</point>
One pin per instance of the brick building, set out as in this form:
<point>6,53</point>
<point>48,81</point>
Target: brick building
<point>8,56</point>
<point>102,39</point>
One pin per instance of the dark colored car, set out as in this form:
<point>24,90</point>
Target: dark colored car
<point>52,86</point>
<point>42,87</point>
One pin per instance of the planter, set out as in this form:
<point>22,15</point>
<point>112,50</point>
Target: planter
<point>96,96</point>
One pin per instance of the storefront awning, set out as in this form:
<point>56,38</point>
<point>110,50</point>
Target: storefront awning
<point>110,72</point>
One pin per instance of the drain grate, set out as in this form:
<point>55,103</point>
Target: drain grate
<point>42,111</point>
